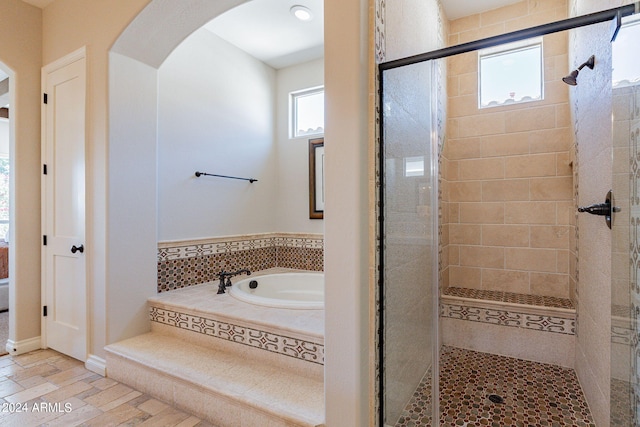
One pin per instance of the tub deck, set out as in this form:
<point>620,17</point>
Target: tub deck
<point>204,299</point>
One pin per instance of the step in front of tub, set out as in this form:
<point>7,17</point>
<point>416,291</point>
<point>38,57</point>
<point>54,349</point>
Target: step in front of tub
<point>217,386</point>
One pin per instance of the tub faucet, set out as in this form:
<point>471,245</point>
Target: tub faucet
<point>225,278</point>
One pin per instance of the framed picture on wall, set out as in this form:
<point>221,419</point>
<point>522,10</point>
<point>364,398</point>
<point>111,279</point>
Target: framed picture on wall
<point>316,178</point>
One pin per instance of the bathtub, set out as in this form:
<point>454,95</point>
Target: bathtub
<point>282,290</point>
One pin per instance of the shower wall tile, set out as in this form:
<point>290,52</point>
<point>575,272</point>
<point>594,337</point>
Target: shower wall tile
<point>466,234</point>
<point>531,166</point>
<point>528,259</point>
<point>550,140</point>
<point>492,168</point>
<point>554,285</point>
<point>510,169</point>
<point>505,190</point>
<point>188,263</point>
<point>482,256</point>
<point>529,119</point>
<point>499,16</point>
<point>505,235</point>
<point>550,236</point>
<point>482,213</point>
<point>506,280</point>
<point>504,145</point>
<point>467,277</point>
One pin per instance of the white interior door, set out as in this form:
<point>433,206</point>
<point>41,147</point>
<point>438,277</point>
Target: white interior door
<point>64,269</point>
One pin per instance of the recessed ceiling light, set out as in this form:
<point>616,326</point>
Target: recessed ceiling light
<point>303,13</point>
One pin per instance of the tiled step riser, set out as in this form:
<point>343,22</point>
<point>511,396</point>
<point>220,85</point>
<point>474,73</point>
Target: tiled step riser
<point>216,408</point>
<point>522,343</point>
<point>530,327</point>
<point>313,370</point>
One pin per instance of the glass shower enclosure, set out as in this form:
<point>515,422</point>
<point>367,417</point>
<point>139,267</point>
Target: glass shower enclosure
<point>409,245</point>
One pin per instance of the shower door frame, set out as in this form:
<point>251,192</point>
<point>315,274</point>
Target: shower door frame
<point>615,15</point>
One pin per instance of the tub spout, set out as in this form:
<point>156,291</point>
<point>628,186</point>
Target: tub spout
<point>225,278</point>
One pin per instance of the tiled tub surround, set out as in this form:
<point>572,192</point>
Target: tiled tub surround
<point>192,262</point>
<point>529,327</point>
<point>261,365</point>
<point>298,334</point>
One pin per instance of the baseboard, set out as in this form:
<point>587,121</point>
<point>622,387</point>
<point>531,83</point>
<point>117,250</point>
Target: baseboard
<point>96,364</point>
<point>20,347</point>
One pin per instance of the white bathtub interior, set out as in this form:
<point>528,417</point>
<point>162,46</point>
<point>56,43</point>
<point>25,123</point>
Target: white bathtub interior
<point>293,290</point>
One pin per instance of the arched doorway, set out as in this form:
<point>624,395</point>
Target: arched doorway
<point>131,181</point>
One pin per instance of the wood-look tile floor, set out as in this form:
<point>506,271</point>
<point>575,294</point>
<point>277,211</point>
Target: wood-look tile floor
<point>46,388</point>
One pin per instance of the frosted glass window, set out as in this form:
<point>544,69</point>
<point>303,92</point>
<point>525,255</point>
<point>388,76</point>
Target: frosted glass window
<point>511,74</point>
<point>307,110</point>
<point>626,65</point>
<point>414,166</point>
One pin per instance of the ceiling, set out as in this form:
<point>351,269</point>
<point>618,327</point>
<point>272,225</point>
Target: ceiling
<point>266,30</point>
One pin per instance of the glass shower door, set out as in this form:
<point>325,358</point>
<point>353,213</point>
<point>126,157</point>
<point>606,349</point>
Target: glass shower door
<point>409,248</point>
<point>625,247</point>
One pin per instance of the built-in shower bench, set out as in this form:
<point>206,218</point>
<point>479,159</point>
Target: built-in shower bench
<point>530,327</point>
<point>227,361</point>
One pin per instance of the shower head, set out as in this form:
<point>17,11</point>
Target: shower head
<point>572,79</point>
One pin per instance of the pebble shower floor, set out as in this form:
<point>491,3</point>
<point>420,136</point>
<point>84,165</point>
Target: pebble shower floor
<point>535,394</point>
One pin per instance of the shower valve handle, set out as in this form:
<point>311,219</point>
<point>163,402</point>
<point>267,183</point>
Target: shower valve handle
<point>603,209</point>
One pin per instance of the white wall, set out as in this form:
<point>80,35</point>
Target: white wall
<point>222,111</point>
<point>216,114</point>
<point>131,245</point>
<point>293,154</point>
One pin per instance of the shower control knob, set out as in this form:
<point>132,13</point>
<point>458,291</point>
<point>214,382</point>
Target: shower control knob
<point>603,209</point>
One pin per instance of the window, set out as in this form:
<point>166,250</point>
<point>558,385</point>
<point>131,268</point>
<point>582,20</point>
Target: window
<point>626,66</point>
<point>414,166</point>
<point>307,112</point>
<point>511,73</point>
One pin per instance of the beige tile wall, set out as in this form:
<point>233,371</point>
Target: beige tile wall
<point>507,171</point>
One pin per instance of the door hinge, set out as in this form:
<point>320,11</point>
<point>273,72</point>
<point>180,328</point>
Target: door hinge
<point>44,169</point>
<point>44,311</point>
<point>44,240</point>
<point>45,98</point>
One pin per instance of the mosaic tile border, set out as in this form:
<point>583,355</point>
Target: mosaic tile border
<point>555,324</point>
<point>292,347</point>
<point>188,263</point>
<point>509,297</point>
<point>189,249</point>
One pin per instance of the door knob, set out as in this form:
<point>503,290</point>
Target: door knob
<point>75,249</point>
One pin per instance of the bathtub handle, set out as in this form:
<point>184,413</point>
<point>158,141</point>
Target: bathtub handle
<point>75,249</point>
